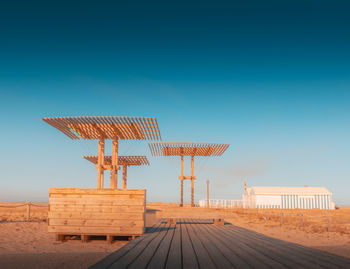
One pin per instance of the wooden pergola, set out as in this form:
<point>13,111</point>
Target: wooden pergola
<point>125,161</point>
<point>187,149</point>
<point>102,128</point>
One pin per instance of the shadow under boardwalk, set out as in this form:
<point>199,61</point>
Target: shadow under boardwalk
<point>199,244</point>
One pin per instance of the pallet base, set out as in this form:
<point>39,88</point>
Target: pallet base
<point>89,237</point>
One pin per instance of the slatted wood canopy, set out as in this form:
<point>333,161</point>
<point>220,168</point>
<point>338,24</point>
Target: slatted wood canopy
<point>125,161</point>
<point>102,128</point>
<point>187,149</point>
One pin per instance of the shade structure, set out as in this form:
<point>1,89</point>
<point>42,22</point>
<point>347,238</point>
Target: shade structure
<point>102,128</point>
<point>125,161</point>
<point>109,127</point>
<point>122,160</point>
<point>187,149</point>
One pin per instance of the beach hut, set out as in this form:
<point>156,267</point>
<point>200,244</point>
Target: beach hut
<point>101,211</point>
<point>187,149</point>
<point>288,198</point>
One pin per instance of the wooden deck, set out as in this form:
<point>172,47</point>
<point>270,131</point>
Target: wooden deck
<point>199,244</point>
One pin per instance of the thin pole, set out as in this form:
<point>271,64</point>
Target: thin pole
<point>192,181</point>
<point>208,193</point>
<point>114,167</point>
<point>100,162</point>
<point>125,167</point>
<point>182,181</point>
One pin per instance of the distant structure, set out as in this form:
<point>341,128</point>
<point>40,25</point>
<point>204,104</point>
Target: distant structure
<point>187,149</point>
<point>288,198</point>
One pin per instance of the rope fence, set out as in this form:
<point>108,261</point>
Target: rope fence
<point>28,205</point>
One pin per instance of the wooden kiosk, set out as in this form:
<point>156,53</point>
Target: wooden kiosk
<point>187,149</point>
<point>108,212</point>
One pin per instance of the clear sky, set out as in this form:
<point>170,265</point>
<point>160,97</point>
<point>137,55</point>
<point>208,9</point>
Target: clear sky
<point>271,78</point>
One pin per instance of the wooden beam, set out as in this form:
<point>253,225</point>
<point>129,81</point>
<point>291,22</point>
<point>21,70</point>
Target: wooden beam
<point>192,181</point>
<point>125,168</point>
<point>100,163</point>
<point>114,164</point>
<point>182,181</point>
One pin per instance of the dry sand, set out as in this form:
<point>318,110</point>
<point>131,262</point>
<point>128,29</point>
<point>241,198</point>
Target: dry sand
<point>29,245</point>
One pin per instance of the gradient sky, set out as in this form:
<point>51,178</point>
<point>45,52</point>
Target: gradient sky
<point>272,79</point>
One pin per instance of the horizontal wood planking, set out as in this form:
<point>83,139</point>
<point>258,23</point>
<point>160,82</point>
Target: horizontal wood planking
<point>97,208</point>
<point>93,211</point>
<point>95,222</point>
<point>83,191</point>
<point>96,215</point>
<point>86,201</point>
<point>96,230</point>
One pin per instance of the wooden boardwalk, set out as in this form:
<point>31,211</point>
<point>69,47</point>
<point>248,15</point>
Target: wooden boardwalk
<point>200,244</point>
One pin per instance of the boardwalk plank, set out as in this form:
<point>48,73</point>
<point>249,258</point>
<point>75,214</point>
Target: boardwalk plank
<point>204,259</point>
<point>145,257</point>
<point>110,259</point>
<point>160,256</point>
<point>275,252</point>
<point>260,259</point>
<point>198,244</point>
<point>189,258</point>
<point>315,256</point>
<point>218,258</point>
<point>174,260</point>
<point>297,256</point>
<point>232,256</point>
<point>132,254</point>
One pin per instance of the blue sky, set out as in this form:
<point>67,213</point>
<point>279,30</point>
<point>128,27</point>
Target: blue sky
<point>271,79</point>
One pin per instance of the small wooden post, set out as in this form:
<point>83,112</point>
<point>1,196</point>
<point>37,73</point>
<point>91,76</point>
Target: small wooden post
<point>100,163</point>
<point>281,219</point>
<point>125,167</point>
<point>192,181</point>
<point>328,223</point>
<point>114,166</point>
<point>208,194</point>
<point>301,219</point>
<point>182,181</point>
<point>28,210</point>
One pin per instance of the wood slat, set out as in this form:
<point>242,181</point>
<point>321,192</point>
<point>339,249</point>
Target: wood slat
<point>139,128</point>
<point>187,149</point>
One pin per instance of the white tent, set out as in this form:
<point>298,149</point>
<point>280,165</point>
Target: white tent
<point>288,197</point>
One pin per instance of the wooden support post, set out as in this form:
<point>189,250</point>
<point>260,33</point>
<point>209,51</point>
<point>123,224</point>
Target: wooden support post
<point>114,164</point>
<point>328,223</point>
<point>110,238</point>
<point>84,238</point>
<point>28,210</point>
<point>125,167</point>
<point>208,194</point>
<point>281,219</point>
<point>100,162</point>
<point>60,237</point>
<point>182,181</point>
<point>301,219</point>
<point>192,181</point>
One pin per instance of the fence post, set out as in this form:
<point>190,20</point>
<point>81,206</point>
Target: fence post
<point>281,218</point>
<point>28,211</point>
<point>329,223</point>
<point>301,219</point>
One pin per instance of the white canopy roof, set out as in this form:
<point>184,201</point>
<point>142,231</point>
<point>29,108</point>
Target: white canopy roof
<point>289,190</point>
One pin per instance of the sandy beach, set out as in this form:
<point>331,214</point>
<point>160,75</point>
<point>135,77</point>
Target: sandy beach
<point>29,245</point>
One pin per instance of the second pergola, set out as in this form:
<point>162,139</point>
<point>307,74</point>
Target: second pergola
<point>124,161</point>
<point>187,149</point>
